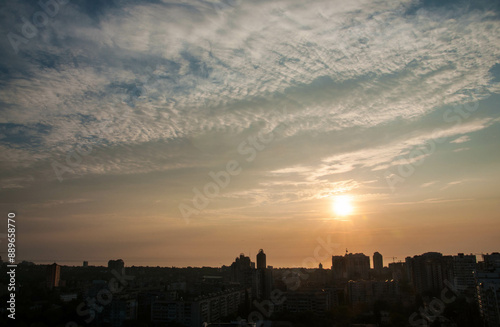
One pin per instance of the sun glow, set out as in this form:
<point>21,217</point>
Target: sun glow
<point>342,205</point>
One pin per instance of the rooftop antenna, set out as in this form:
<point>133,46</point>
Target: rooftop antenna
<point>346,251</point>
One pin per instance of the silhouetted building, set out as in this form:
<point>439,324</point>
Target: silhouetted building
<point>53,275</point>
<point>358,266</point>
<point>242,271</point>
<point>85,264</point>
<point>490,261</point>
<point>378,263</point>
<point>351,266</point>
<point>231,324</point>
<point>264,283</point>
<point>369,291</point>
<point>144,301</point>
<point>261,260</point>
<point>117,265</point>
<point>203,309</point>
<point>427,272</point>
<point>339,267</point>
<point>316,301</point>
<point>398,270</point>
<point>463,271</point>
<point>263,278</point>
<point>488,292</point>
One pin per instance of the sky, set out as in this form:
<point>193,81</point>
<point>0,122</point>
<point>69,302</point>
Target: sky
<point>183,133</point>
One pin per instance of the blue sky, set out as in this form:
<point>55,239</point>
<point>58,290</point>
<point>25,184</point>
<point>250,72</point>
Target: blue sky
<point>113,114</point>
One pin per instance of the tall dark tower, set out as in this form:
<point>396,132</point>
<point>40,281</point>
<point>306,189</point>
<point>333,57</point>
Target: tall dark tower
<point>263,277</point>
<point>378,262</point>
<point>261,260</point>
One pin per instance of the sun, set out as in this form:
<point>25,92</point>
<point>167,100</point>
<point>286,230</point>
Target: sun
<point>342,205</point>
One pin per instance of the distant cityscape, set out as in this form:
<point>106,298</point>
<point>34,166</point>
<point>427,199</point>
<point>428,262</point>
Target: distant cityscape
<point>430,289</point>
<point>349,149</point>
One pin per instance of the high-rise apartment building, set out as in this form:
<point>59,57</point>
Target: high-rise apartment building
<point>463,271</point>
<point>261,260</point>
<point>370,291</point>
<point>242,271</point>
<point>429,271</point>
<point>351,266</point>
<point>378,263</point>
<point>339,267</point>
<point>263,277</point>
<point>398,270</point>
<point>488,289</point>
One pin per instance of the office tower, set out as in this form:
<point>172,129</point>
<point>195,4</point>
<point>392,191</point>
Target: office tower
<point>463,271</point>
<point>53,275</point>
<point>85,264</point>
<point>378,263</point>
<point>429,271</point>
<point>261,259</point>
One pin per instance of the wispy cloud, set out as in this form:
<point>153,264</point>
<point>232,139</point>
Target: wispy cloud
<point>431,201</point>
<point>16,182</point>
<point>141,84</point>
<point>54,203</point>
<point>428,184</point>
<point>461,139</point>
<point>450,184</point>
<point>216,66</point>
<point>384,156</point>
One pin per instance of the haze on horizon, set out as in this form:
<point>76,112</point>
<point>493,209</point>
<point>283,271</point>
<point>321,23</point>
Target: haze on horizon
<point>115,116</point>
